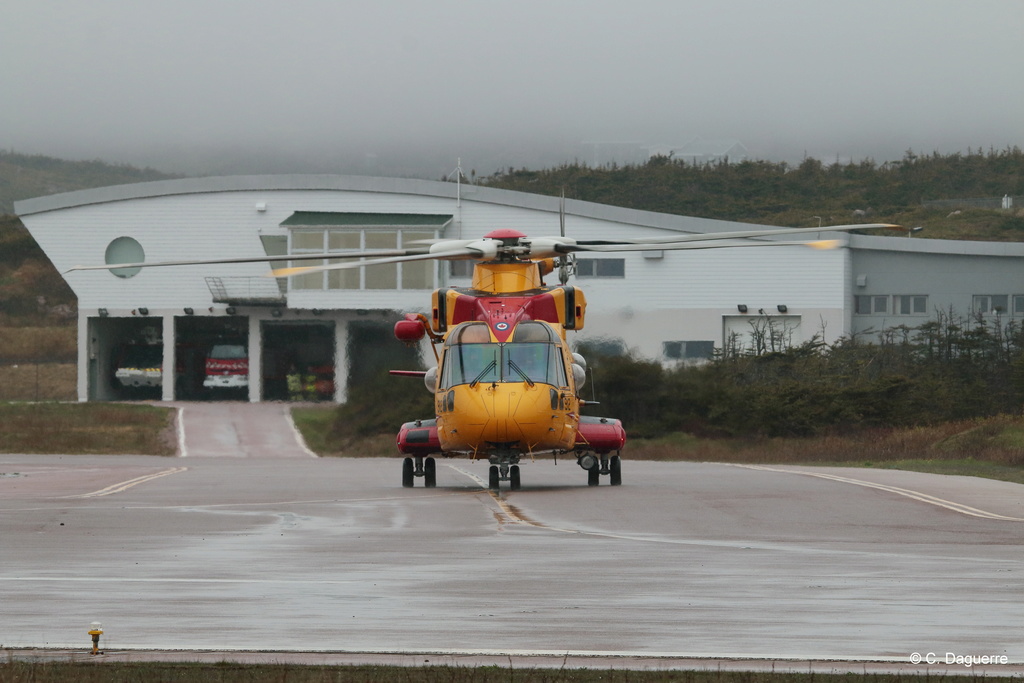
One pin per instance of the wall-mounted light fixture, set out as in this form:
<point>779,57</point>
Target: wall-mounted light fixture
<point>317,311</point>
<point>103,312</point>
<point>230,310</point>
<point>143,310</point>
<point>276,312</point>
<point>783,308</point>
<point>742,308</point>
<point>189,311</point>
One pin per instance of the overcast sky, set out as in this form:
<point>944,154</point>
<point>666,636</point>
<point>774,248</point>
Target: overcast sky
<point>322,83</point>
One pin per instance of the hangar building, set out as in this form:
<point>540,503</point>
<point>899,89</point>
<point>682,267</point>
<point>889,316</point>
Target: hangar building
<point>675,306</point>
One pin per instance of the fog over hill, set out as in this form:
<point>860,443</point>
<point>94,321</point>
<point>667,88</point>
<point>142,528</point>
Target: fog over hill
<point>406,88</point>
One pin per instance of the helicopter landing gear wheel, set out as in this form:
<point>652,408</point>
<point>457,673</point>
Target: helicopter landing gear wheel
<point>408,473</point>
<point>494,478</point>
<point>594,476</point>
<point>429,473</point>
<point>615,471</point>
<point>513,481</point>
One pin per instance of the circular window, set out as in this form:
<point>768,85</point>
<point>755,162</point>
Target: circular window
<point>124,250</point>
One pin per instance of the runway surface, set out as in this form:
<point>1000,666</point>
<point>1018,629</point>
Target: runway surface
<point>286,552</point>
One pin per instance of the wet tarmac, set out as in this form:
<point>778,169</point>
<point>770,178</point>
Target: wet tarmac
<point>283,552</point>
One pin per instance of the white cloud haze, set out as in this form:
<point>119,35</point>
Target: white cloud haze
<point>353,85</point>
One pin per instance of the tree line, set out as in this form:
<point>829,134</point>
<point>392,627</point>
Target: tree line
<point>779,192</point>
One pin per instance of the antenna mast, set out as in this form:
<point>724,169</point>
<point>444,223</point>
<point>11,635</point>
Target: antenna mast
<point>458,192</point>
<point>458,182</point>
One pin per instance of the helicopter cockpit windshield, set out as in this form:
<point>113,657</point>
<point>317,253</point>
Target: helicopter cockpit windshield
<point>532,356</point>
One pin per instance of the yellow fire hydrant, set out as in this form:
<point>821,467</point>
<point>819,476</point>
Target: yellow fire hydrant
<point>96,630</point>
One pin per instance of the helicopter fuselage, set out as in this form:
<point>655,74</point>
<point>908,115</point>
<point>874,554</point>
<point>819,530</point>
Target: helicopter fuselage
<point>507,384</point>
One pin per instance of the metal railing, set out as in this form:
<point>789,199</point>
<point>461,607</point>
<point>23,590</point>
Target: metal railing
<point>253,291</point>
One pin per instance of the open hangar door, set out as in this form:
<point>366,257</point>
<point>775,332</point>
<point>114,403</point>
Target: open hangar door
<point>195,338</point>
<point>126,358</point>
<point>298,361</point>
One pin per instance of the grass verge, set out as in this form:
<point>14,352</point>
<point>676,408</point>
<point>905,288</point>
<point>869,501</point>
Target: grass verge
<point>990,447</point>
<point>86,428</point>
<point>316,422</point>
<point>228,672</point>
<point>38,382</point>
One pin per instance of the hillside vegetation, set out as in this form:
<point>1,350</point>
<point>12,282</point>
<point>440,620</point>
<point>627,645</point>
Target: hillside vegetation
<point>32,292</point>
<point>808,194</point>
<point>24,176</point>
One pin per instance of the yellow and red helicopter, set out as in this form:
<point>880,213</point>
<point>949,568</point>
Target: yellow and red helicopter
<point>507,385</point>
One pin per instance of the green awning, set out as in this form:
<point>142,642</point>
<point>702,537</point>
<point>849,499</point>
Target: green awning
<point>337,219</point>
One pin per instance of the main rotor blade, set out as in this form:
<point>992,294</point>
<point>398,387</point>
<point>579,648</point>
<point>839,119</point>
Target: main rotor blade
<point>736,234</point>
<point>255,259</point>
<point>465,253</point>
<point>605,248</point>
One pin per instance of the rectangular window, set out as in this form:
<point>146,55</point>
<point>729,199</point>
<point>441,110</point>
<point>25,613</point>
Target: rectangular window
<point>986,304</point>
<point>699,349</point>
<point>417,274</point>
<point>601,267</point>
<point>343,240</point>
<point>869,304</point>
<point>691,350</point>
<point>308,280</point>
<point>1018,304</point>
<point>411,274</point>
<point>307,242</point>
<point>460,268</point>
<point>384,276</point>
<point>910,304</point>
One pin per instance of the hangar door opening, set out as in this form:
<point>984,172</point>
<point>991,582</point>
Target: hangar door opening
<point>127,358</point>
<point>202,337</point>
<point>298,361</point>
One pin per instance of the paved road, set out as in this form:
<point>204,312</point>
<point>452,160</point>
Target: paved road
<point>684,559</point>
<point>238,430</point>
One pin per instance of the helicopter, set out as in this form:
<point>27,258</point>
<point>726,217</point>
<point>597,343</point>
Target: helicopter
<point>506,384</point>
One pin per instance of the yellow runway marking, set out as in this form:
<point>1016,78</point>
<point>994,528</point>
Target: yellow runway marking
<point>125,485</point>
<point>909,493</point>
<point>505,508</point>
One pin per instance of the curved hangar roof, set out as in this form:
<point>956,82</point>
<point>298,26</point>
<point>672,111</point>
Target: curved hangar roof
<point>406,186</point>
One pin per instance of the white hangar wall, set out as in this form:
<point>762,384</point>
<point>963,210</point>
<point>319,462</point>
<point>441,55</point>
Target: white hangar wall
<point>964,278</point>
<point>664,296</point>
